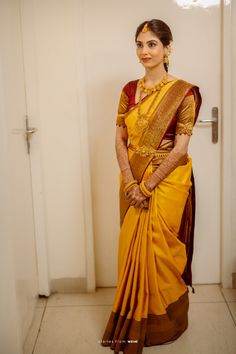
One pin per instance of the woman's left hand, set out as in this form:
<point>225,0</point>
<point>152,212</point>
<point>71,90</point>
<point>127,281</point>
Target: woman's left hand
<point>135,197</point>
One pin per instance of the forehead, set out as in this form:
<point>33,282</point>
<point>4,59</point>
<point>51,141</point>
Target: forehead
<point>147,36</point>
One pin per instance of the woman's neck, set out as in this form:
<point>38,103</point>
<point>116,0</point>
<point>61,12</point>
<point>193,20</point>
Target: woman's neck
<point>154,75</point>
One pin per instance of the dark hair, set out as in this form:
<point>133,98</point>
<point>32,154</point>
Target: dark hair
<point>160,29</point>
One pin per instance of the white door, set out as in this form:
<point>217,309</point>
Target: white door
<point>21,270</point>
<point>111,62</point>
<point>54,70</point>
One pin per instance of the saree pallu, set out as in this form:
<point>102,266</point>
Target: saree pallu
<point>151,300</point>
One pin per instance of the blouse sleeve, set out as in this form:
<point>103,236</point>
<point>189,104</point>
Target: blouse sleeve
<point>186,115</point>
<point>122,108</point>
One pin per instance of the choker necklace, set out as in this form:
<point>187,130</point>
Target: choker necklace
<point>149,90</point>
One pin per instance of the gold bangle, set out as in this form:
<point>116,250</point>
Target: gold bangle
<point>144,190</point>
<point>126,191</point>
<point>126,168</point>
<point>129,185</point>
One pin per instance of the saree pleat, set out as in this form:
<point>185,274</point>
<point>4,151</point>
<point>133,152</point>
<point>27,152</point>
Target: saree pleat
<point>186,232</point>
<point>154,253</point>
<point>151,301</point>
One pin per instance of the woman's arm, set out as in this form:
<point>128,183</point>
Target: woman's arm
<point>122,153</point>
<point>135,196</point>
<point>174,158</point>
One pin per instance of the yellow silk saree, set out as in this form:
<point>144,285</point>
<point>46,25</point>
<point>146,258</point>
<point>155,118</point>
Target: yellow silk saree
<point>155,246</point>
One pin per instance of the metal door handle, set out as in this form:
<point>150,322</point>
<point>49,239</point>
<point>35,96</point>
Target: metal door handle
<point>28,133</point>
<point>214,121</point>
<point>206,120</point>
<point>31,130</point>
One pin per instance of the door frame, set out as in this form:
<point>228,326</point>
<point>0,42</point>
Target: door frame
<point>30,76</point>
<point>228,15</point>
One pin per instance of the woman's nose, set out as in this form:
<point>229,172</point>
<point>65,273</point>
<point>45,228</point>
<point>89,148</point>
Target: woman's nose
<point>144,50</point>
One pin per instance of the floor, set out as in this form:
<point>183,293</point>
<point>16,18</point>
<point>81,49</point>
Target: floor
<point>74,324</point>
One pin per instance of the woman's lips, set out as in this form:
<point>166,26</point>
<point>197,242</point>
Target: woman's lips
<point>146,59</point>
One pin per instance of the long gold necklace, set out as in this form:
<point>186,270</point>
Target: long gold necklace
<point>143,118</point>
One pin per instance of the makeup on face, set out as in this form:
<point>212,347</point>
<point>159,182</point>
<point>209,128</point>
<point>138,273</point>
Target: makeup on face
<point>149,49</point>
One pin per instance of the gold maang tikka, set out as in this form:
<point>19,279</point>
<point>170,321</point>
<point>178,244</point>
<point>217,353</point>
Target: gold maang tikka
<point>145,27</point>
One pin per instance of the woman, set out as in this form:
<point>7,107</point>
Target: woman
<point>155,119</point>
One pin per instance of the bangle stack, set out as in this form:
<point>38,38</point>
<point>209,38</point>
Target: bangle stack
<point>144,190</point>
<point>130,185</point>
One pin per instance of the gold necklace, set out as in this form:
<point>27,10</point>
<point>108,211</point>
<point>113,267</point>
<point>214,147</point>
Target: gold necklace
<point>143,118</point>
<point>155,88</point>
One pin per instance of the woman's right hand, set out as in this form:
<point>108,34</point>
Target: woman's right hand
<point>144,204</point>
<point>136,198</point>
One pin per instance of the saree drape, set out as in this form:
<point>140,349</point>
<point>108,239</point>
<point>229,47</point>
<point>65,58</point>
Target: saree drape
<point>155,244</point>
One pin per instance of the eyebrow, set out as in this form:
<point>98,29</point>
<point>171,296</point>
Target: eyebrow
<point>151,40</point>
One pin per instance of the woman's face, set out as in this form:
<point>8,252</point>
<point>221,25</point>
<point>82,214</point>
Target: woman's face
<point>150,49</point>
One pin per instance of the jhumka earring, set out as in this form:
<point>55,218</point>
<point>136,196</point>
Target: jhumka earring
<point>166,59</point>
<point>166,56</point>
<point>145,27</point>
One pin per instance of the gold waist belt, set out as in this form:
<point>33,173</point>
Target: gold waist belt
<point>148,151</point>
<point>158,155</point>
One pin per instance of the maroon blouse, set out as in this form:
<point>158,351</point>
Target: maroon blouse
<point>130,90</point>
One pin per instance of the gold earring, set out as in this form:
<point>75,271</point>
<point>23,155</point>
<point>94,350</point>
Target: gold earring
<point>166,59</point>
<point>166,56</point>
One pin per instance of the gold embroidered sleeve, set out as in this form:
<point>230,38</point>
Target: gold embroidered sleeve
<point>122,109</point>
<point>185,116</point>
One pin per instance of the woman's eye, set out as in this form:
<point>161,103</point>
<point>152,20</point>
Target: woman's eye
<point>152,44</point>
<point>139,45</point>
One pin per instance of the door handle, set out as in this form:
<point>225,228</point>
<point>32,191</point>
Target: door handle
<point>215,122</point>
<point>31,130</point>
<point>28,133</point>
